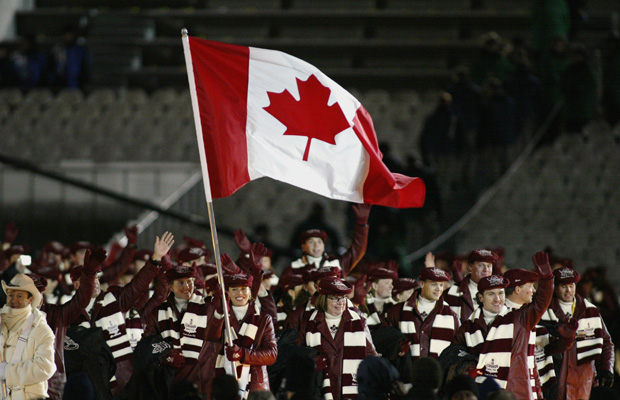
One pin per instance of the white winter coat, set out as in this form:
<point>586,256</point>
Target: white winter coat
<point>27,378</point>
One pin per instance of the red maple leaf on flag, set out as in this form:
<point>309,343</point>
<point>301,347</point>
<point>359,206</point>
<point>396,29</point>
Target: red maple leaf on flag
<point>310,115</point>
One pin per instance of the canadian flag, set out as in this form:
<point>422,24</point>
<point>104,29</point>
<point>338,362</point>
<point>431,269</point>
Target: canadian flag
<point>266,113</point>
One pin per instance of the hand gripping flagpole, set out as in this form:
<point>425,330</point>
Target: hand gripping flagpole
<point>207,184</point>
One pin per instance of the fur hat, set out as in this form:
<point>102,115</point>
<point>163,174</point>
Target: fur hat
<point>434,274</point>
<point>566,275</point>
<point>180,272</point>
<point>237,280</point>
<point>377,273</point>
<point>519,277</point>
<point>191,254</point>
<point>482,255</point>
<point>334,286</point>
<point>402,284</point>
<point>24,282</point>
<point>492,282</point>
<point>312,233</point>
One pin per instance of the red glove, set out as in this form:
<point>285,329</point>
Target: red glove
<point>228,265</point>
<point>234,353</point>
<point>362,212</point>
<point>360,291</point>
<point>93,260</point>
<point>541,262</point>
<point>320,362</point>
<point>393,265</point>
<point>257,253</point>
<point>166,263</point>
<point>568,330</point>
<point>217,300</point>
<point>405,347</point>
<point>457,269</point>
<point>132,234</point>
<point>242,241</point>
<point>10,232</point>
<point>175,358</point>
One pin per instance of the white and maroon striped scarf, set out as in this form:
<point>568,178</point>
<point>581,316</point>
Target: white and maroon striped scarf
<point>443,328</point>
<point>544,362</point>
<point>457,295</point>
<point>189,334</point>
<point>353,353</point>
<point>495,350</point>
<point>111,319</point>
<point>243,338</point>
<point>589,339</point>
<point>374,318</point>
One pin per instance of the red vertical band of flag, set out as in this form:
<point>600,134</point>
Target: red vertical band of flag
<point>225,72</point>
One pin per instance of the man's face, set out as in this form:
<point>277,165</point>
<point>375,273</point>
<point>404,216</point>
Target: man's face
<point>18,298</point>
<point>565,291</point>
<point>383,288</point>
<point>493,300</point>
<point>525,293</point>
<point>336,305</point>
<point>480,269</point>
<point>239,295</point>
<point>431,290</point>
<point>314,247</point>
<point>183,288</point>
<point>96,287</point>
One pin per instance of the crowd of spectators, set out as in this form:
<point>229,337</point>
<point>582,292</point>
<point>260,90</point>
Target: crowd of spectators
<point>65,65</point>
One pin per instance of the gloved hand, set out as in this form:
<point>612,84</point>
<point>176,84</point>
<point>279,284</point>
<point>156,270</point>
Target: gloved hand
<point>457,269</point>
<point>257,252</point>
<point>320,362</point>
<point>132,235</point>
<point>10,232</point>
<point>568,330</point>
<point>393,265</point>
<point>362,212</point>
<point>541,262</point>
<point>359,296</point>
<point>228,265</point>
<point>93,260</point>
<point>234,353</point>
<point>175,358</point>
<point>405,347</point>
<point>605,378</point>
<point>218,300</point>
<point>242,241</point>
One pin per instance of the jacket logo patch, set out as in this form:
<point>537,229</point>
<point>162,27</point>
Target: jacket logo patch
<point>190,329</point>
<point>70,344</point>
<point>492,368</point>
<point>160,347</point>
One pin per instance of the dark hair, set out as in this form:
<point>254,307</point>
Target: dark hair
<point>508,291</point>
<point>224,387</point>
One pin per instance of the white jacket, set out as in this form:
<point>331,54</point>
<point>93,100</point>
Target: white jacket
<point>27,378</point>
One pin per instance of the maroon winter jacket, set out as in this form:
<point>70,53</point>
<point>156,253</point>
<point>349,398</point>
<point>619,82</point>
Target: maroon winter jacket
<point>59,317</point>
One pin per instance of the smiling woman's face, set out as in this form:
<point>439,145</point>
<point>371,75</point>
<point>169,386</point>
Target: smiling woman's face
<point>183,288</point>
<point>239,295</point>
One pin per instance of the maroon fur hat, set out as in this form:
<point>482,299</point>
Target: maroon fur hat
<point>519,277</point>
<point>434,274</point>
<point>181,271</point>
<point>312,233</point>
<point>492,282</point>
<point>482,255</point>
<point>565,275</point>
<point>334,286</point>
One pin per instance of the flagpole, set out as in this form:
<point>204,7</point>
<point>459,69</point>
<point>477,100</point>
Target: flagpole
<point>207,183</point>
